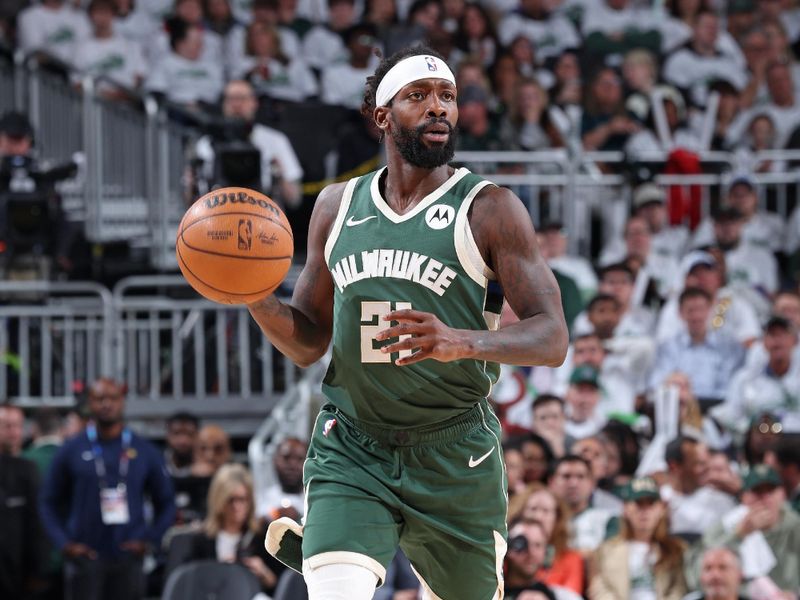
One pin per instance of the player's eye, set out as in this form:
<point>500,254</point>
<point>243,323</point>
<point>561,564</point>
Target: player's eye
<point>448,96</point>
<point>416,95</point>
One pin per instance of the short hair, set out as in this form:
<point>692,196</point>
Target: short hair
<point>693,292</point>
<point>373,81</point>
<point>674,451</point>
<point>183,416</point>
<point>617,268</point>
<point>787,450</point>
<point>47,420</point>
<point>599,299</point>
<point>571,459</point>
<point>97,4</point>
<point>543,399</point>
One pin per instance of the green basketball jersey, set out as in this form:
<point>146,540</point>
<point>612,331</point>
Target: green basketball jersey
<point>427,260</point>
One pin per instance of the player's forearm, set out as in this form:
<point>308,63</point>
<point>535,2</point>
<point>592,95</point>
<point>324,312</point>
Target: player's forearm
<point>538,340</point>
<point>290,330</point>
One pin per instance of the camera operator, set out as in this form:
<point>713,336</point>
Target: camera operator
<point>527,546</point>
<point>280,169</point>
<point>30,210</point>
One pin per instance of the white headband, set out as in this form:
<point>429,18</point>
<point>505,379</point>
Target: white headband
<point>411,69</point>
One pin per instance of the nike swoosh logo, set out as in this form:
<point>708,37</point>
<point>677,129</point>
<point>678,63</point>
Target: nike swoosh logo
<point>352,222</point>
<point>474,463</point>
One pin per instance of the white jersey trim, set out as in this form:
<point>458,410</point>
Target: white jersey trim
<point>344,207</point>
<point>466,249</point>
<point>387,211</point>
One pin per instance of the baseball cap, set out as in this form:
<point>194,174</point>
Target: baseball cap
<point>641,488</point>
<point>648,193</point>
<point>696,259</point>
<point>472,93</point>
<point>585,374</point>
<point>742,179</point>
<point>16,125</point>
<point>760,475</point>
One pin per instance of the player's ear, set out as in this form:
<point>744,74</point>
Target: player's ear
<point>381,116</point>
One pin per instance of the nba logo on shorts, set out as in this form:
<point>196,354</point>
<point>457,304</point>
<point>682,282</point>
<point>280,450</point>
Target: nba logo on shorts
<point>245,234</point>
<point>431,63</point>
<point>326,429</point>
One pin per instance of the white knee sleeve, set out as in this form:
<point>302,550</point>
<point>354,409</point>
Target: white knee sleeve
<point>339,582</point>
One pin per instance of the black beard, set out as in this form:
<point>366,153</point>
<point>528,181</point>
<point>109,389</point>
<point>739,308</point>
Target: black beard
<point>410,146</point>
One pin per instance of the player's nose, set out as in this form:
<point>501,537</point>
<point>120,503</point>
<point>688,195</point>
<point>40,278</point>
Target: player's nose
<point>437,108</point>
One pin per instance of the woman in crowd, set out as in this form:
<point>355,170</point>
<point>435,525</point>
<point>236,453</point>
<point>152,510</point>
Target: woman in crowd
<point>528,125</point>
<point>643,560</point>
<point>605,124</point>
<point>230,533</point>
<point>475,36</point>
<point>270,71</point>
<point>562,566</point>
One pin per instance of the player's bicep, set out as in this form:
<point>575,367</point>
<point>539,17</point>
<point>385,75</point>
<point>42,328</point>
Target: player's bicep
<point>509,240</point>
<point>313,292</point>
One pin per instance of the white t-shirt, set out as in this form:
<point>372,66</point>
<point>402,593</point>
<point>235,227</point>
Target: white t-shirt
<point>117,58</point>
<point>227,544</point>
<point>212,53</point>
<point>738,317</point>
<point>273,145</point>
<point>588,428</point>
<point>343,85</point>
<point>136,26</point>
<point>186,82</point>
<point>53,31</point>
<point>675,33</point>
<point>323,46</point>
<point>589,528</point>
<point>549,36</point>
<point>641,560</point>
<point>235,46</point>
<point>579,269</point>
<point>600,17</point>
<point>764,230</point>
<point>696,512</point>
<point>293,81</point>
<point>688,70</point>
<point>753,267</point>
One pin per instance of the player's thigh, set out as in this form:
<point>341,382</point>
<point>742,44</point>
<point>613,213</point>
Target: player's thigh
<point>455,519</point>
<point>351,508</point>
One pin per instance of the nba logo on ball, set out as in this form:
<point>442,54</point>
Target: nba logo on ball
<point>245,234</point>
<point>431,63</point>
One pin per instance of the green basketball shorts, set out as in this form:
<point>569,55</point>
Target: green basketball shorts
<point>438,491</point>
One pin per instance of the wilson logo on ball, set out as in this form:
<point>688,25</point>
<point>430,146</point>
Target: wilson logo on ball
<point>218,200</point>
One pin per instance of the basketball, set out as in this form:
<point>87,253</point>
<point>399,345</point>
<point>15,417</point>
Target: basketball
<point>234,245</point>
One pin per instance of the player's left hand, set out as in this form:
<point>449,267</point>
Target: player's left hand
<point>429,337</point>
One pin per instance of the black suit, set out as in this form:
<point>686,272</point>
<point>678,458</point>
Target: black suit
<point>21,550</point>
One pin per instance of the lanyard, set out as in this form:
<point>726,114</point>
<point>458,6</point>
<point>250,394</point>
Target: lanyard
<point>97,452</point>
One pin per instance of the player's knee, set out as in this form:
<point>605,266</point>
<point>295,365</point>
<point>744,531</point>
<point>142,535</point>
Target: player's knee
<point>339,582</point>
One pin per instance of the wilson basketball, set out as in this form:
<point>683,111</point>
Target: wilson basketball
<point>234,245</point>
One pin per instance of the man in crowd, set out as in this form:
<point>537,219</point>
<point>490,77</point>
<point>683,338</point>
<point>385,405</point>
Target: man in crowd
<point>93,502</point>
<point>729,312</point>
<point>769,515</point>
<point>181,436</point>
<point>584,415</point>
<point>239,106</point>
<point>525,556</point>
<point>46,439</point>
<point>572,481</point>
<point>692,504</point>
<point>284,498</point>
<point>709,358</point>
<point>549,421</point>
<point>774,387</point>
<point>720,575</point>
<point>22,553</point>
<point>12,425</point>
<point>212,450</point>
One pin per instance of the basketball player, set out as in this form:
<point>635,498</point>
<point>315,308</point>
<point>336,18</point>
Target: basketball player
<point>402,270</point>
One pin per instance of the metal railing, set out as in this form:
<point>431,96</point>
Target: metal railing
<point>177,351</point>
<point>52,334</point>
